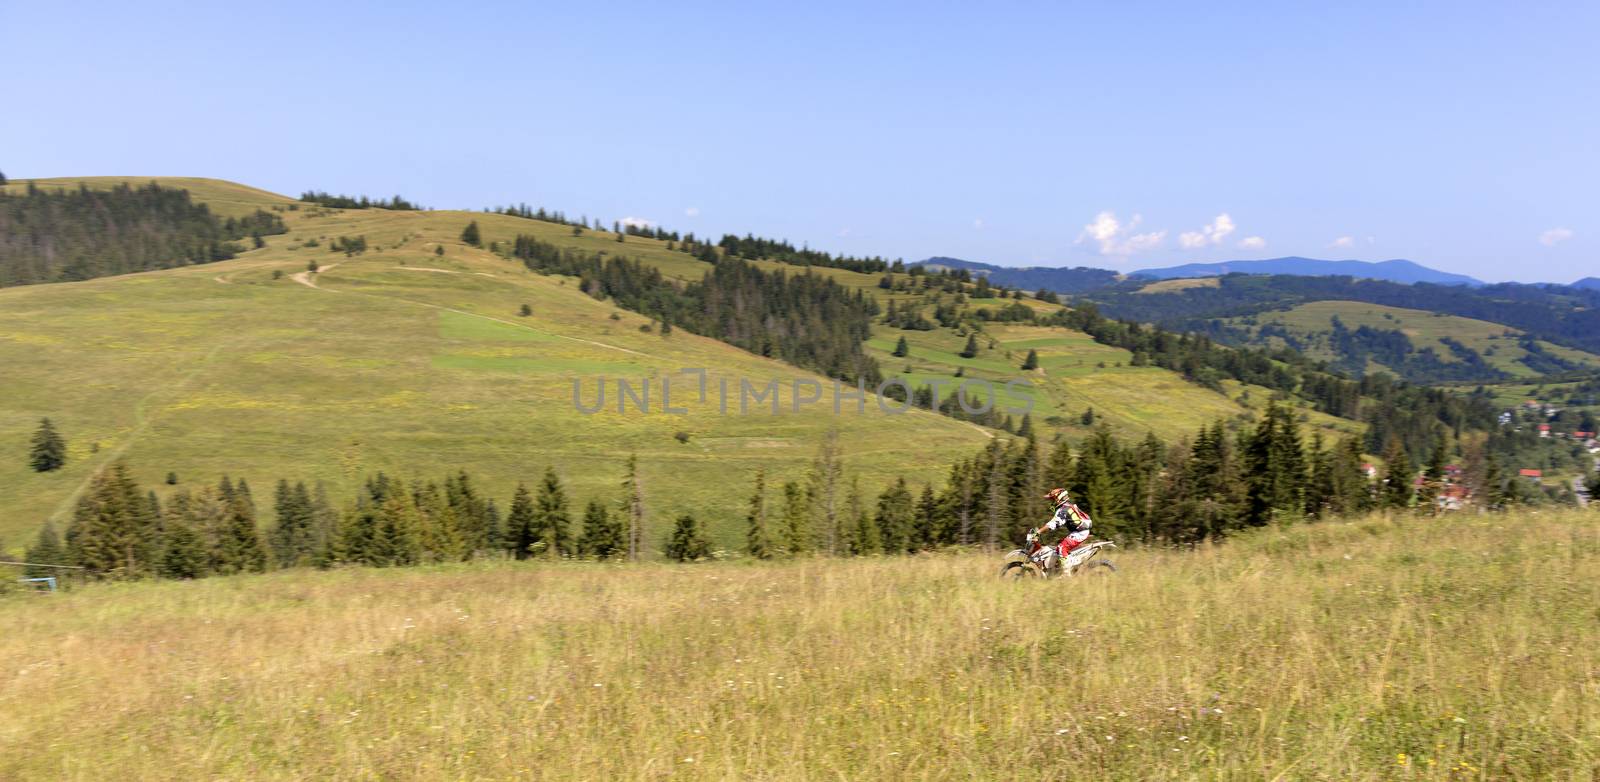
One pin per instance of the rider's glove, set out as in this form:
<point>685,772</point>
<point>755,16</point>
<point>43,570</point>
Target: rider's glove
<point>1033,535</point>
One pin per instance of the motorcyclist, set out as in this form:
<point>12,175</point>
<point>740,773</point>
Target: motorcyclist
<point>1068,516</point>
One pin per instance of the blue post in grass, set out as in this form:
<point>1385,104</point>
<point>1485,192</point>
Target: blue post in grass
<point>47,580</point>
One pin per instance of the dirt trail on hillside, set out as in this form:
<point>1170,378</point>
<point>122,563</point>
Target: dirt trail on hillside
<point>305,278</point>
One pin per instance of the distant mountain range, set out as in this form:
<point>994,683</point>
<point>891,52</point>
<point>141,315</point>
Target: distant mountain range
<point>1060,280</point>
<point>1394,271</point>
<point>1083,279</point>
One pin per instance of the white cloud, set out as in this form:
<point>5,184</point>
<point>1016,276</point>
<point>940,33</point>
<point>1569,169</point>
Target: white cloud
<point>1343,242</point>
<point>979,224</point>
<point>844,231</point>
<point>1211,234</point>
<point>637,222</point>
<point>1115,238</point>
<point>693,211</point>
<point>1555,236</point>
<point>1252,243</point>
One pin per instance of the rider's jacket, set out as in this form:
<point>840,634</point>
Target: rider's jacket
<point>1071,518</point>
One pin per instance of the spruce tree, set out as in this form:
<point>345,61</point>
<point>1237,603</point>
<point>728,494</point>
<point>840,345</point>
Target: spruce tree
<point>686,544</point>
<point>756,541</point>
<point>902,348</point>
<point>602,535</point>
<point>895,518</point>
<point>796,520</point>
<point>520,524</point>
<point>292,538</point>
<point>1398,476</point>
<point>183,552</point>
<point>113,533</point>
<point>1433,479</point>
<point>633,509</point>
<point>551,520</point>
<point>971,349</point>
<point>46,550</point>
<point>49,451</point>
<point>239,549</point>
<point>822,492</point>
<point>1032,361</point>
<point>470,235</point>
<point>864,535</point>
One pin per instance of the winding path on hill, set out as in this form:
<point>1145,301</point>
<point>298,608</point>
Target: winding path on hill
<point>305,278</point>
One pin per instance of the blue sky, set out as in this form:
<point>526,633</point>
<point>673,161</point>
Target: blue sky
<point>1459,135</point>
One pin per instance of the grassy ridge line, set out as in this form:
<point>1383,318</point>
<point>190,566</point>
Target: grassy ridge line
<point>1376,649</point>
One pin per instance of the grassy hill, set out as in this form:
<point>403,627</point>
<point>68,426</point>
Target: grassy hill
<point>1462,648</point>
<point>404,360</point>
<point>399,360</point>
<point>1310,327</point>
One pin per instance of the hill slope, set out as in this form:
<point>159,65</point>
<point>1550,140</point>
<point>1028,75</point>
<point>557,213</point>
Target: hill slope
<point>402,360</point>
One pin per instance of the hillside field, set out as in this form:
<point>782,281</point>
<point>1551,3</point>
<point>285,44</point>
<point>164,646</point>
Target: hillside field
<point>1311,323</point>
<point>417,363</point>
<point>1379,649</point>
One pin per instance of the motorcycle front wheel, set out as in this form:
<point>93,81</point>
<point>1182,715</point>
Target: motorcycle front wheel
<point>1020,571</point>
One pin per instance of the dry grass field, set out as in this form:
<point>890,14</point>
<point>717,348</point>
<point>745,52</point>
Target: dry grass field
<point>1465,648</point>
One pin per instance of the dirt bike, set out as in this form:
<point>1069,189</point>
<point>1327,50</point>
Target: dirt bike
<point>1034,561</point>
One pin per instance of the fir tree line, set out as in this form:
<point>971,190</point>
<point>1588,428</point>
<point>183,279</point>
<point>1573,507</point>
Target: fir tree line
<point>357,202</point>
<point>50,235</point>
<point>1220,481</point>
<point>807,320</point>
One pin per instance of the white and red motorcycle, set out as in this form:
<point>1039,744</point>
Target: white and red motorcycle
<point>1036,561</point>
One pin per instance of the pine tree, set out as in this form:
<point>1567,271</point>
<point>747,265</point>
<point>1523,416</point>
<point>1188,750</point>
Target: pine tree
<point>971,350</point>
<point>756,541</point>
<point>49,451</point>
<point>172,479</point>
<point>3,179</point>
<point>902,348</point>
<point>1032,361</point>
<point>470,235</point>
<point>686,544</point>
<point>602,535</point>
<point>525,310</point>
<point>552,524</point>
